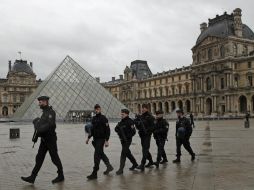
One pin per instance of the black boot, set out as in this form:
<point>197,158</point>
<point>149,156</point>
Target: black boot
<point>141,167</point>
<point>156,164</point>
<point>164,161</point>
<point>119,172</point>
<point>59,178</point>
<point>133,167</point>
<point>149,165</point>
<point>29,179</point>
<point>193,157</point>
<point>92,176</point>
<point>177,160</point>
<point>109,169</point>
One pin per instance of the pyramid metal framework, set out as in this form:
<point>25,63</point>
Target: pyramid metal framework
<point>70,87</point>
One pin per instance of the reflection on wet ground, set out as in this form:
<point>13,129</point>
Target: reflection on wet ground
<point>225,160</point>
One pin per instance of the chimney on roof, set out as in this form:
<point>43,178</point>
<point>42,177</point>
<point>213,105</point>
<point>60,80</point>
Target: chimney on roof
<point>113,78</point>
<point>9,65</point>
<point>203,26</point>
<point>238,25</point>
<point>31,64</point>
<point>121,77</point>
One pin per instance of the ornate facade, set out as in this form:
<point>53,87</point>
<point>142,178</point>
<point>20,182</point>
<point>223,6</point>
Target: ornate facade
<point>19,84</point>
<point>218,82</point>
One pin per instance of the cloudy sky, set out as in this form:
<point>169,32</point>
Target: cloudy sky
<point>106,35</point>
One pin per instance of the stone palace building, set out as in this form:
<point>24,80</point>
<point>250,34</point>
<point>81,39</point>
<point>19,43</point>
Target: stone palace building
<point>218,82</point>
<point>19,84</point>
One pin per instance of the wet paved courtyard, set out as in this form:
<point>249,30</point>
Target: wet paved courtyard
<point>225,160</point>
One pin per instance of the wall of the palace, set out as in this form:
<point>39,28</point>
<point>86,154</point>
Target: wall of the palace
<point>14,90</point>
<point>219,82</point>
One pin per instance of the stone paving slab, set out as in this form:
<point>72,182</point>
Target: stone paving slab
<point>225,160</point>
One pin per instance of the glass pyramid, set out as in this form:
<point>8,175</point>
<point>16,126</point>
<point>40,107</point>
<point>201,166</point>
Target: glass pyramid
<point>73,93</point>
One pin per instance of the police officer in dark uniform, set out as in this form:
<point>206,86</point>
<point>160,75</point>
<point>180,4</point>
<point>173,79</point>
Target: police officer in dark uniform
<point>160,134</point>
<point>126,130</point>
<point>145,125</point>
<point>100,133</point>
<point>183,133</point>
<point>45,128</point>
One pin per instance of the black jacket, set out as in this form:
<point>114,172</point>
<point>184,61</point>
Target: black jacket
<point>46,125</point>
<point>145,124</point>
<point>100,129</point>
<point>184,122</point>
<point>161,129</point>
<point>125,129</point>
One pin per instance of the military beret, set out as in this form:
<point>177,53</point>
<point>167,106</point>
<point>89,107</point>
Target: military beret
<point>97,106</point>
<point>159,112</point>
<point>125,111</point>
<point>43,98</point>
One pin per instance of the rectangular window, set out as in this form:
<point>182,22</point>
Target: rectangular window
<point>249,65</point>
<point>222,85</point>
<point>14,98</point>
<point>22,98</point>
<point>250,80</point>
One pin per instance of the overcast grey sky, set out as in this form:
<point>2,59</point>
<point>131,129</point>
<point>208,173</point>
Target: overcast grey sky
<point>106,35</point>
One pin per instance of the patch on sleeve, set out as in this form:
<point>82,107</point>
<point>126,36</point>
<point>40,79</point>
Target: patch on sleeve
<point>50,116</point>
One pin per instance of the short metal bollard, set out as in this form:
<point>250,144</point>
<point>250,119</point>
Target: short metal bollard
<point>247,124</point>
<point>14,133</point>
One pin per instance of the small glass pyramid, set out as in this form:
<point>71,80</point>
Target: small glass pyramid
<point>73,92</point>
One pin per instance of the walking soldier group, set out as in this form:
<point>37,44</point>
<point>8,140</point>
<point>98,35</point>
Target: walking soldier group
<point>145,123</point>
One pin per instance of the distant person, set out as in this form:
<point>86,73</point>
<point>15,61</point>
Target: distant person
<point>192,120</point>
<point>100,132</point>
<point>183,134</point>
<point>126,130</point>
<point>45,128</point>
<point>247,116</point>
<point>160,134</point>
<point>145,126</point>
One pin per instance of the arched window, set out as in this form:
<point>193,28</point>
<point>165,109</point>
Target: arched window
<point>5,111</point>
<point>222,51</point>
<point>245,50</point>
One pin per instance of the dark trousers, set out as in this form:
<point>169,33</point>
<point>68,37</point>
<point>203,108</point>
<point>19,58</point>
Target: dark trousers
<point>192,123</point>
<point>186,144</point>
<point>126,153</point>
<point>145,142</point>
<point>160,142</point>
<point>51,147</point>
<point>99,153</point>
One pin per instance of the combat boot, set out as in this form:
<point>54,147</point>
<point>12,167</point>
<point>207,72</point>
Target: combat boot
<point>156,164</point>
<point>119,172</point>
<point>164,161</point>
<point>109,169</point>
<point>59,178</point>
<point>141,167</point>
<point>92,176</point>
<point>149,165</point>
<point>29,179</point>
<point>133,167</point>
<point>176,161</point>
